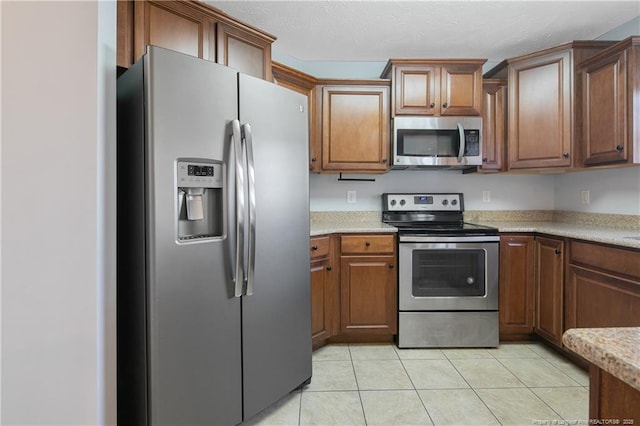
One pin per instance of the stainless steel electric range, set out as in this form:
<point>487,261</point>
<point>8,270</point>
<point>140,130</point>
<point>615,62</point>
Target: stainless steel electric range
<point>447,275</point>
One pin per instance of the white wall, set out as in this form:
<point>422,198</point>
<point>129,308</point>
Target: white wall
<point>507,192</point>
<point>57,230</point>
<point>610,191</point>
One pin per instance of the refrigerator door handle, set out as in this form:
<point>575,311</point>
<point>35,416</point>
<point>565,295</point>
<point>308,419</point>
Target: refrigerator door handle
<point>251,180</point>
<point>236,140</point>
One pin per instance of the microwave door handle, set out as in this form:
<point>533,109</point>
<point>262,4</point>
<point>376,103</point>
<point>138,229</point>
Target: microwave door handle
<point>462,142</point>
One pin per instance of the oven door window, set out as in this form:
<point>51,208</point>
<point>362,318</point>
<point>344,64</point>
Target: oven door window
<point>448,273</point>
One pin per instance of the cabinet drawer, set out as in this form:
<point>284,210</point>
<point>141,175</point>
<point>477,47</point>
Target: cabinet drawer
<point>367,244</point>
<point>319,247</point>
<point>615,261</point>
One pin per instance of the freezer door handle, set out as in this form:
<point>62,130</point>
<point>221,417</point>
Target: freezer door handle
<point>251,180</point>
<point>236,140</point>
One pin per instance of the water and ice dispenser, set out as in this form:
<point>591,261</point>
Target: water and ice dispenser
<point>200,206</point>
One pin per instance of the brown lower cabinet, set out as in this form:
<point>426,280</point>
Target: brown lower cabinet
<point>353,288</point>
<point>612,401</point>
<point>324,290</point>
<point>549,278</point>
<point>603,287</point>
<point>516,286</point>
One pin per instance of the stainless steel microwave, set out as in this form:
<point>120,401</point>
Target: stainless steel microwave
<point>454,142</point>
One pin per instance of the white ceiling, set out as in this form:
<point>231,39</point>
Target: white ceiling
<point>331,30</point>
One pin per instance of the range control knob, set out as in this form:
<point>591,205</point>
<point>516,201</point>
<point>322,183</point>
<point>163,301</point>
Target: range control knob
<point>445,202</point>
<point>454,202</point>
<point>403,202</point>
<point>393,202</point>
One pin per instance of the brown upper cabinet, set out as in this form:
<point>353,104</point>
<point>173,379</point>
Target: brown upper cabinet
<point>300,82</point>
<point>354,126</point>
<point>494,125</point>
<point>435,86</point>
<point>611,104</point>
<point>193,28</point>
<point>545,91</point>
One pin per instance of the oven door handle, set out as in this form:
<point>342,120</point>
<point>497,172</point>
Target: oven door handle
<point>459,239</point>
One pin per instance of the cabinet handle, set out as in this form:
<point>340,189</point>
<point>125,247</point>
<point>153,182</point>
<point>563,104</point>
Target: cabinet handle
<point>314,248</point>
<point>445,105</point>
<point>557,251</point>
<point>619,148</point>
<point>329,268</point>
<point>367,243</point>
<point>565,154</point>
<point>484,159</point>
<point>432,105</point>
<point>391,266</point>
<point>314,159</point>
<point>384,160</point>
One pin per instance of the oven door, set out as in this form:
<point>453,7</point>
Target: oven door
<point>448,273</point>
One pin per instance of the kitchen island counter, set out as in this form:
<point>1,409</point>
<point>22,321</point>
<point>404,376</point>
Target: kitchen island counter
<point>615,350</point>
<point>614,372</point>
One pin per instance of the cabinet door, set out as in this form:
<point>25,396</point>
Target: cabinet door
<point>415,90</point>
<point>549,289</point>
<point>174,26</point>
<point>540,112</point>
<point>605,111</point>
<point>595,299</point>
<point>368,295</point>
<point>494,125</point>
<point>460,90</point>
<point>516,284</point>
<point>355,128</point>
<point>245,52</point>
<point>321,301</point>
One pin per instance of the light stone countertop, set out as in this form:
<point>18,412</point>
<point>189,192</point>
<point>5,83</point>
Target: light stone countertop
<point>616,350</point>
<point>608,229</point>
<point>594,233</point>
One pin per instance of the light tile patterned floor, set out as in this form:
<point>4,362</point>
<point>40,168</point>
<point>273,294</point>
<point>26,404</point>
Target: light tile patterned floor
<point>379,384</point>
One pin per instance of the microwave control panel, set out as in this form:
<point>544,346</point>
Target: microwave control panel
<point>431,202</point>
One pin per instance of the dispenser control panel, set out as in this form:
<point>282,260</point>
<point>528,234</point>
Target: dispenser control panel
<point>199,175</point>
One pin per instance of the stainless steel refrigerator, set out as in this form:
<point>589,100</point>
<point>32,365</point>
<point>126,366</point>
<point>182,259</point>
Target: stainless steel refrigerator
<point>213,231</point>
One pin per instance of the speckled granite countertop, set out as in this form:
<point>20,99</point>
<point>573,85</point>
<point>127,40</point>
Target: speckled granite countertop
<point>345,222</point>
<point>595,233</point>
<point>615,350</point>
<point>620,230</point>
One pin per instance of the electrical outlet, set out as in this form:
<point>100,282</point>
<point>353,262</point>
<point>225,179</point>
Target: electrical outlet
<point>585,197</point>
<point>486,196</point>
<point>351,196</point>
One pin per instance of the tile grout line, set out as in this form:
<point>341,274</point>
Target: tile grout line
<point>414,386</point>
<point>355,376</point>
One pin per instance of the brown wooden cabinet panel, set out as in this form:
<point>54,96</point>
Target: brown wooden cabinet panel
<point>540,112</point>
<point>435,86</point>
<point>325,315</point>
<point>461,89</point>
<point>611,89</point>
<point>303,83</point>
<point>545,91</point>
<point>549,278</point>
<point>194,28</point>
<point>172,25</point>
<point>611,399</point>
<point>355,128</point>
<point>368,295</point>
<point>601,300</point>
<point>245,52</point>
<point>516,285</point>
<point>415,90</point>
<point>494,125</point>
